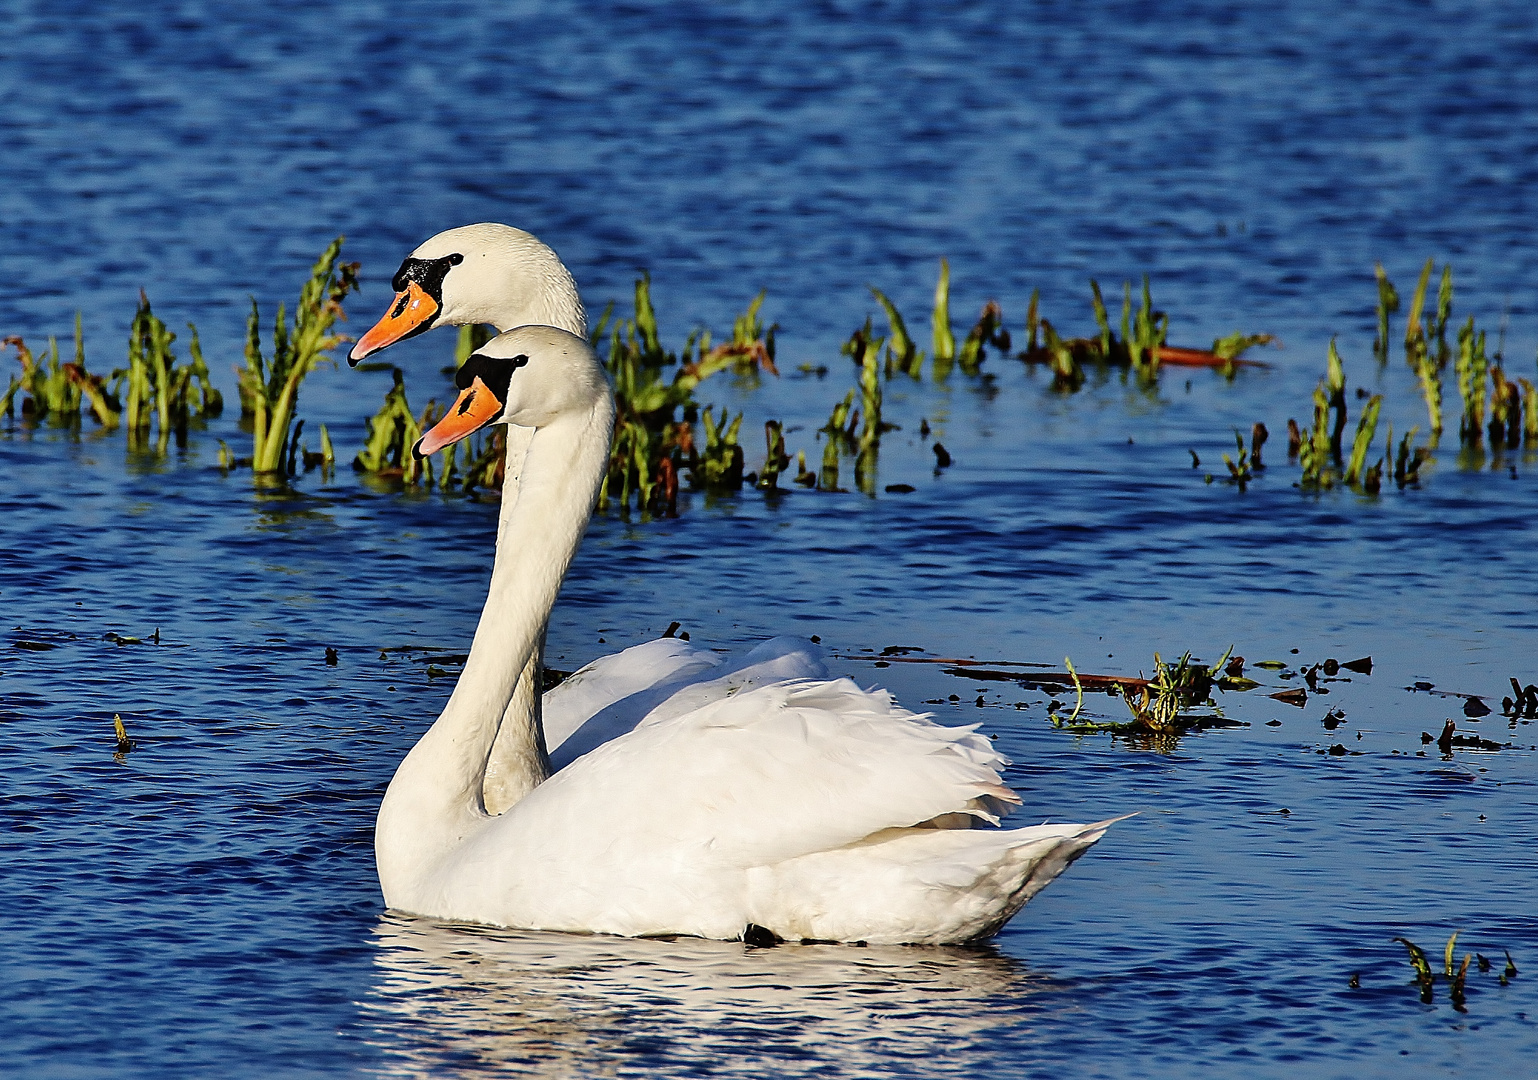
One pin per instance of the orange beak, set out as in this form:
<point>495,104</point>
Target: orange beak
<point>475,408</point>
<point>411,312</point>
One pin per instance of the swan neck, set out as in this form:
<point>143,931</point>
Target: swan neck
<point>439,794</point>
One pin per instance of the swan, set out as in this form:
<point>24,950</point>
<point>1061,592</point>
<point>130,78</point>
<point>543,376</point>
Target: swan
<point>486,273</point>
<point>760,803</point>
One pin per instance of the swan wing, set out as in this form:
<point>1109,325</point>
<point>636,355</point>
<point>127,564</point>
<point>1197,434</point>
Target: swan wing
<point>660,680</point>
<point>765,774</point>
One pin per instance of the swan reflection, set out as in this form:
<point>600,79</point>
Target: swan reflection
<point>456,999</point>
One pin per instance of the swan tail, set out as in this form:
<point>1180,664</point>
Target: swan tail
<point>916,886</point>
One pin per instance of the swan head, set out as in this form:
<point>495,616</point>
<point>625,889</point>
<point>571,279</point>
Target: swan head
<point>486,273</point>
<point>529,376</point>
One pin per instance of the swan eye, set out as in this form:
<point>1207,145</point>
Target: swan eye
<point>496,372</point>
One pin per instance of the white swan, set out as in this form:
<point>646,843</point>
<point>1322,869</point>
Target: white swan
<point>493,274</point>
<point>746,805</point>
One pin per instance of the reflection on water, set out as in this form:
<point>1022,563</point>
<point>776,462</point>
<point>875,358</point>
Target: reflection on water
<point>457,999</point>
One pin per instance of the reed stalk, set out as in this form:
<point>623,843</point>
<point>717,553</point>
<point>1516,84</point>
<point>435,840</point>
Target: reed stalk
<point>1472,368</point>
<point>903,352</point>
<point>1388,303</point>
<point>940,324</point>
<point>1366,430</point>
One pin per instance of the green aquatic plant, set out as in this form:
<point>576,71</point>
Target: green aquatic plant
<point>650,442</point>
<point>1388,304</point>
<point>155,385</point>
<point>940,324</point>
<point>269,386</point>
<point>1240,471</point>
<point>720,467</point>
<point>1427,366</point>
<point>1357,470</point>
<point>1175,700</point>
<point>1066,372</point>
<point>1454,973</point>
<point>988,331</point>
<point>775,460</point>
<point>57,390</point>
<point>1143,331</point>
<point>903,354</point>
<point>1472,368</point>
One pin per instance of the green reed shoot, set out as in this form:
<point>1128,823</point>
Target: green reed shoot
<point>840,429</point>
<point>870,398</point>
<point>1414,330</point>
<point>1444,313</point>
<point>1408,460</point>
<point>1472,367</point>
<point>1314,448</point>
<point>1102,320</point>
<point>384,445</point>
<point>721,464</point>
<point>903,354</point>
<point>988,330</point>
<point>1033,322</point>
<point>1240,471</point>
<point>57,390</point>
<point>1066,372</point>
<point>1388,303</point>
<point>940,324</point>
<point>269,387</point>
<point>1505,409</point>
<point>1335,381</point>
<point>1148,330</point>
<point>776,460</point>
<point>1366,431</point>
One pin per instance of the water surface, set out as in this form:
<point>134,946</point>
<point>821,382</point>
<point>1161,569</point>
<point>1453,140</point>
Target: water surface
<point>207,903</point>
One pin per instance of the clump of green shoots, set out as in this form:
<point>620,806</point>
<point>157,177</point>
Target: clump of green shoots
<point>840,430</point>
<point>988,330</point>
<point>155,385</point>
<point>647,429</point>
<point>269,387</point>
<point>720,467</point>
<point>1177,698</point>
<point>1242,471</point>
<point>1319,453</point>
<point>57,390</point>
<point>1142,344</point>
<point>390,435</point>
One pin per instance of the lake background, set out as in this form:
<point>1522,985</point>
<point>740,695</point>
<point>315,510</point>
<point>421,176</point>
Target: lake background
<point>208,906</point>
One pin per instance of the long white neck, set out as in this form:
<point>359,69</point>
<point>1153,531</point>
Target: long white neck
<point>435,802</point>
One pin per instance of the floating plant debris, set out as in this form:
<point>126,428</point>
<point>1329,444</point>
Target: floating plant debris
<point>120,733</point>
<point>1454,973</point>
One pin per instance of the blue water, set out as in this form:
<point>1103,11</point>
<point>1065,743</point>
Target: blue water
<point>207,905</point>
